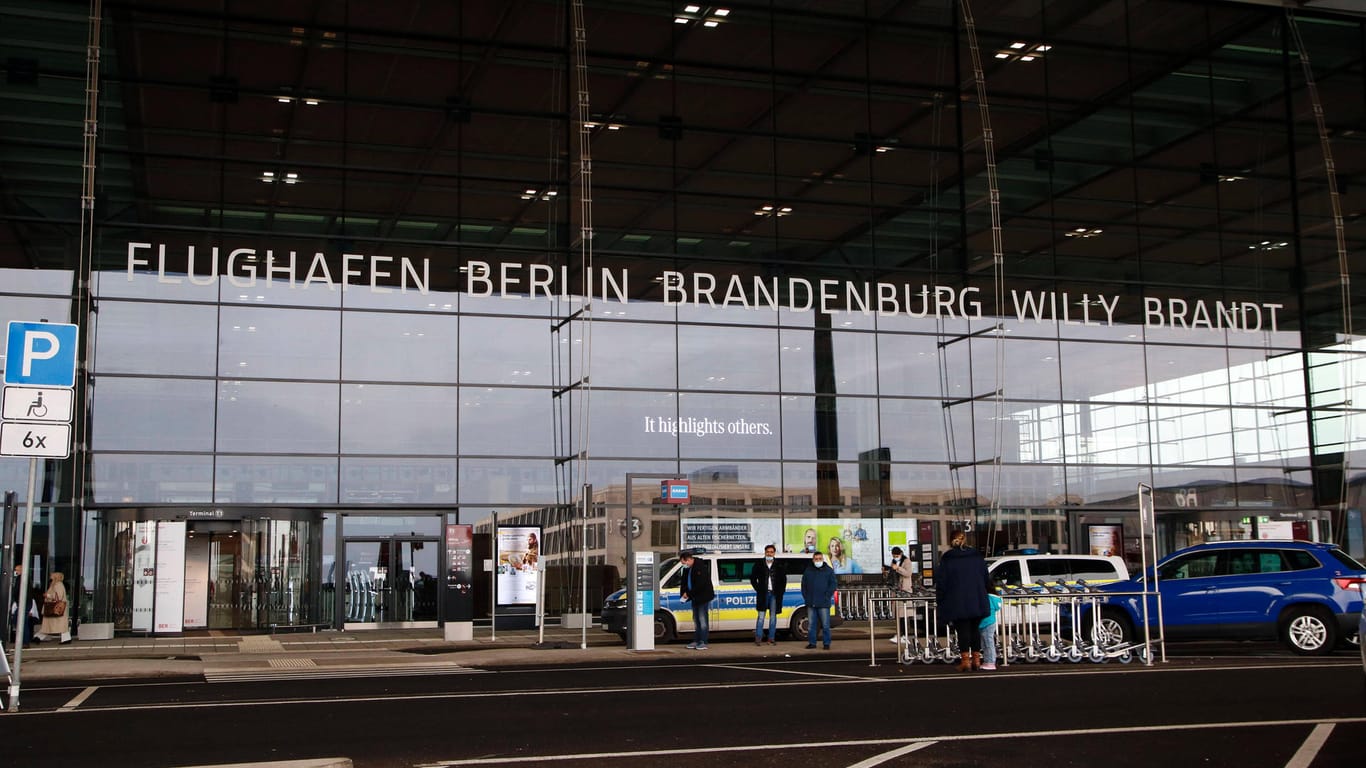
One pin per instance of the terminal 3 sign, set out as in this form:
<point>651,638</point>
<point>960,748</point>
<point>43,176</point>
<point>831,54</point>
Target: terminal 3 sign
<point>253,267</point>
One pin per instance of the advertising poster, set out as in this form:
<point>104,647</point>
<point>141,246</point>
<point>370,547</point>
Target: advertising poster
<point>144,575</point>
<point>1106,540</point>
<point>170,577</point>
<point>518,550</point>
<point>851,546</point>
<point>731,534</point>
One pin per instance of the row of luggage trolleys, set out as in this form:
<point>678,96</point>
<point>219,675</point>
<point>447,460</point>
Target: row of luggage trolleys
<point>1043,622</point>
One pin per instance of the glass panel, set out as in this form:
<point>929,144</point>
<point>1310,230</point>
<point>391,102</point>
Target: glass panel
<point>727,358</point>
<point>275,480</point>
<point>116,568</point>
<point>634,424</point>
<point>394,419</point>
<point>504,350</point>
<point>288,552</point>
<point>507,422</point>
<point>414,581</point>
<point>1188,375</point>
<point>152,414</point>
<point>327,611</point>
<point>1102,371</point>
<point>185,335</point>
<point>1030,371</point>
<point>278,417</point>
<point>850,367</point>
<point>907,365</point>
<point>510,481</point>
<point>279,343</point>
<point>399,347</point>
<point>630,355</point>
<point>916,430</point>
<point>144,285</point>
<point>829,427</point>
<point>150,479</point>
<point>1192,436</point>
<point>49,281</point>
<point>367,572</point>
<point>233,598</point>
<point>391,525</point>
<point>728,426</point>
<point>381,481</point>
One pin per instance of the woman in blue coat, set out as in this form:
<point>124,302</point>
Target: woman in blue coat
<point>961,588</point>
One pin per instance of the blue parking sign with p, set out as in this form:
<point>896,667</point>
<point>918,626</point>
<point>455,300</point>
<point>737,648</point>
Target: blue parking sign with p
<point>41,354</point>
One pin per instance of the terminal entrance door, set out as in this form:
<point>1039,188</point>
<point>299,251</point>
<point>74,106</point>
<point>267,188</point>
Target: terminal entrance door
<point>391,582</point>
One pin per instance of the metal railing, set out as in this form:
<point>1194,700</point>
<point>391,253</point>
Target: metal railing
<point>1039,623</point>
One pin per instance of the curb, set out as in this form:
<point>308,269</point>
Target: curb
<point>313,763</point>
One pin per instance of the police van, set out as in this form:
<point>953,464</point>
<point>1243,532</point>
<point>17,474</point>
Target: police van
<point>734,606</point>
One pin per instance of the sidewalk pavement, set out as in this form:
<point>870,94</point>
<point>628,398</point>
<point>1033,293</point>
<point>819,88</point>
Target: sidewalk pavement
<point>214,654</point>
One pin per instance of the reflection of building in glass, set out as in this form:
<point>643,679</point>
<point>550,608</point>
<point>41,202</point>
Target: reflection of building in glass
<point>348,297</point>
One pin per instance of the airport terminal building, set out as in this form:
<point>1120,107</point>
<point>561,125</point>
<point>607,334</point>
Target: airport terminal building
<point>349,276</point>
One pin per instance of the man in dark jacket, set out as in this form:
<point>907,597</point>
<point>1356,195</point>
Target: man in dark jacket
<point>961,586</point>
<point>769,581</point>
<point>818,592</point>
<point>696,589</point>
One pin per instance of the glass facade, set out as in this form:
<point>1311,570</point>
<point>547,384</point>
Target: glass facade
<point>341,260</point>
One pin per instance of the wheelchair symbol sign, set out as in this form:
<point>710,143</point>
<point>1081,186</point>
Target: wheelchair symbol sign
<point>37,404</point>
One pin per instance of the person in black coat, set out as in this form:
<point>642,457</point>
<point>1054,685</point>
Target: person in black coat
<point>769,580</point>
<point>696,589</point>
<point>961,586</point>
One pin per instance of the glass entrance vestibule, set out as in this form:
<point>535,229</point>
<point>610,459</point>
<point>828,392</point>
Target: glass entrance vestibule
<point>175,569</point>
<point>171,570</point>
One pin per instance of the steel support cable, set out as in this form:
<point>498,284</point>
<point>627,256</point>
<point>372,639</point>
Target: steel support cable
<point>583,115</point>
<point>1340,241</point>
<point>85,265</point>
<point>584,173</point>
<point>997,263</point>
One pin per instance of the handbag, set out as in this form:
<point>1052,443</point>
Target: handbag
<point>54,608</point>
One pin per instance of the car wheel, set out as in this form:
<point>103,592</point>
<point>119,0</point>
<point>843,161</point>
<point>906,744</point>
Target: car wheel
<point>1114,629</point>
<point>801,624</point>
<point>1309,631</point>
<point>665,629</point>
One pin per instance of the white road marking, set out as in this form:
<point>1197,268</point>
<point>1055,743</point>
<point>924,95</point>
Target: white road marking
<point>795,672</point>
<point>276,674</point>
<point>898,752</point>
<point>927,740</point>
<point>1311,746</point>
<point>78,699</point>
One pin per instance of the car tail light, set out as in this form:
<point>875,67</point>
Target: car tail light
<point>1349,582</point>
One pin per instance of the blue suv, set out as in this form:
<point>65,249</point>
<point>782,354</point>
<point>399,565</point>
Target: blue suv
<point>1303,593</point>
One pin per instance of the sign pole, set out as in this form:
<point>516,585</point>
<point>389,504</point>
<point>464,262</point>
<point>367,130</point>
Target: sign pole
<point>583,564</point>
<point>493,585</point>
<point>24,581</point>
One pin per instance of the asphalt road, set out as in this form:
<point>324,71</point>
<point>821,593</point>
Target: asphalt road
<point>1211,708</point>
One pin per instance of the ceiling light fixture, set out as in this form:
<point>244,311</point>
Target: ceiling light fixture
<point>711,17</point>
<point>1084,233</point>
<point>1023,51</point>
<point>773,210</point>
